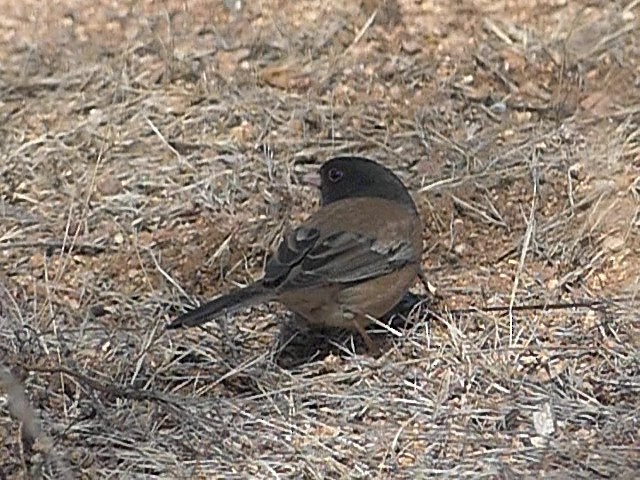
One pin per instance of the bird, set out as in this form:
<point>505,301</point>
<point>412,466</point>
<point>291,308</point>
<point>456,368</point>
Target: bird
<point>353,259</point>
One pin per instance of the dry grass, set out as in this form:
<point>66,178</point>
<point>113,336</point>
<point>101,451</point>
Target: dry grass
<point>152,151</point>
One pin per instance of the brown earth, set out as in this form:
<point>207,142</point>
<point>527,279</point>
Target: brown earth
<point>151,154</point>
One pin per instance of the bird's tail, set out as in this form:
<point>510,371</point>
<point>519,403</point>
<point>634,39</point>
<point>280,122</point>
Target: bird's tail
<point>225,304</point>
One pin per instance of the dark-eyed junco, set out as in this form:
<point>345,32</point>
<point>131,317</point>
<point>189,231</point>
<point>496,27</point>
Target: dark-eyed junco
<point>356,256</point>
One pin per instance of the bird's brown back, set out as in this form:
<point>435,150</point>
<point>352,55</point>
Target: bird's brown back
<point>392,221</point>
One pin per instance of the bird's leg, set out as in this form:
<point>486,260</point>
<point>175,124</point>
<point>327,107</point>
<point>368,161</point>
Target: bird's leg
<point>424,281</point>
<point>374,350</point>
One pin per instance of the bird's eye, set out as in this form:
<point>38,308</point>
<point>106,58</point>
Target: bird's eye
<point>335,175</point>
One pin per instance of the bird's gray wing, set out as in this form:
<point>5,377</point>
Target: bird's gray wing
<point>306,259</point>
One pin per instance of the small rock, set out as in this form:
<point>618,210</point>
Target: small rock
<point>233,5</point>
<point>498,107</point>
<point>460,248</point>
<point>576,171</point>
<point>109,185</point>
<point>410,47</point>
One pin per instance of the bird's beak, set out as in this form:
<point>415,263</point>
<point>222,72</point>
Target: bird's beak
<point>312,179</point>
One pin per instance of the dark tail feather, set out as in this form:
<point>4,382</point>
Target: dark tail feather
<point>226,304</point>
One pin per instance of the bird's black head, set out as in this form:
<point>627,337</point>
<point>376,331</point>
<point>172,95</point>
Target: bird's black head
<point>352,177</point>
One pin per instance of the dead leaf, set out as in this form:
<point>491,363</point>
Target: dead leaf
<point>285,77</point>
<point>514,61</point>
<point>544,425</point>
<point>598,103</point>
<point>228,61</point>
<point>242,133</point>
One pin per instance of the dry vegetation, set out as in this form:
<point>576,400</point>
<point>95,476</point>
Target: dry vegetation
<point>151,154</point>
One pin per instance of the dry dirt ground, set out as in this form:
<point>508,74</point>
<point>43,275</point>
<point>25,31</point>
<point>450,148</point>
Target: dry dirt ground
<point>151,156</point>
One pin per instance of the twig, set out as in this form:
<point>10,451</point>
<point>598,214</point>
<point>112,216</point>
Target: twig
<point>525,244</point>
<point>363,30</point>
<point>77,249</point>
<point>591,304</point>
